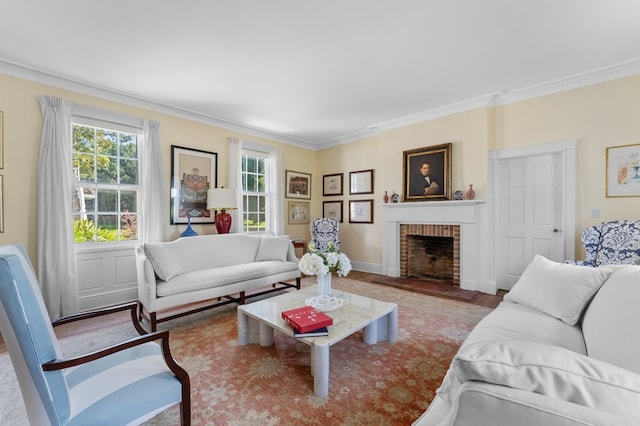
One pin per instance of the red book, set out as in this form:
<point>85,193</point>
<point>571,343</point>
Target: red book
<point>306,319</point>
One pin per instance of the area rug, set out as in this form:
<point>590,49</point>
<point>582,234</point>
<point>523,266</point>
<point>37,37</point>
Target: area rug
<point>381,384</point>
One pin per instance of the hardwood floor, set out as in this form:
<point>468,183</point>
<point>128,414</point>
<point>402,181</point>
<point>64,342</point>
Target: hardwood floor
<point>420,286</point>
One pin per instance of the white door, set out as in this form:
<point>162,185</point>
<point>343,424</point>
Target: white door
<point>529,213</point>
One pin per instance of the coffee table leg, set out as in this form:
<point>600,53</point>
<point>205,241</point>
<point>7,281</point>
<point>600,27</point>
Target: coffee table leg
<point>266,335</point>
<point>320,366</point>
<point>392,323</point>
<point>243,329</point>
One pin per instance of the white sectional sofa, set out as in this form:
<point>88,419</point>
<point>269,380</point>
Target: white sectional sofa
<point>552,353</point>
<point>211,267</point>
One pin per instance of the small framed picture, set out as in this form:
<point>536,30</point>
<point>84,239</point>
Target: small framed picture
<point>298,212</point>
<point>193,172</point>
<point>623,171</point>
<point>361,182</point>
<point>332,209</point>
<point>298,185</point>
<point>427,173</point>
<point>332,184</point>
<point>360,211</point>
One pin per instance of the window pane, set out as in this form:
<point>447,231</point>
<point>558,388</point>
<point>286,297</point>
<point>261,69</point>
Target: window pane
<point>107,169</point>
<point>128,227</point>
<point>107,200</point>
<point>83,199</point>
<point>251,165</point>
<point>261,184</point>
<point>128,145</point>
<point>107,142</point>
<point>128,172</point>
<point>128,201</point>
<point>83,229</point>
<point>84,167</point>
<point>83,139</point>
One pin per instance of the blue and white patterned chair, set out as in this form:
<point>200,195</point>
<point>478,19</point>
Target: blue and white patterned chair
<point>127,383</point>
<point>611,243</point>
<point>324,230</point>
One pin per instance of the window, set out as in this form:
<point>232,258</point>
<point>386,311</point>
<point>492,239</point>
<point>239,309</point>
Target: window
<point>105,184</point>
<point>255,195</point>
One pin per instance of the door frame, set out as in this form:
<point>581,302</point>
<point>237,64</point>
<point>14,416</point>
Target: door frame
<point>567,149</point>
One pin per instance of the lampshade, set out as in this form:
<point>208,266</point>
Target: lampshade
<point>221,199</point>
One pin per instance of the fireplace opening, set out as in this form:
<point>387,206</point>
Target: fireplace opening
<point>430,258</point>
<point>430,252</point>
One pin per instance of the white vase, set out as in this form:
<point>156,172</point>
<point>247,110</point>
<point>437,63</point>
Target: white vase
<point>324,284</point>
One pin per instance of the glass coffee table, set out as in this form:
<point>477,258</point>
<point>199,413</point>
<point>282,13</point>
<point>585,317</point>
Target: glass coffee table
<point>378,320</point>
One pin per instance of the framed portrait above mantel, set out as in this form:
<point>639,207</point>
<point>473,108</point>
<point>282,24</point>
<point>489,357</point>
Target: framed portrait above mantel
<point>427,173</point>
<point>623,171</point>
<point>193,172</point>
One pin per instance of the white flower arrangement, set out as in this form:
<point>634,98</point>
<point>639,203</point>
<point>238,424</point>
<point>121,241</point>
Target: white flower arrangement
<point>319,262</point>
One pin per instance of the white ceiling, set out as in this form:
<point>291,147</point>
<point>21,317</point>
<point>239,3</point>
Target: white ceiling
<point>317,73</point>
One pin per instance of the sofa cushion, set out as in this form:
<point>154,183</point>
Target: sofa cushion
<point>512,321</point>
<point>224,275</point>
<point>610,323</point>
<point>273,248</point>
<point>164,262</point>
<point>557,289</point>
<point>548,370</point>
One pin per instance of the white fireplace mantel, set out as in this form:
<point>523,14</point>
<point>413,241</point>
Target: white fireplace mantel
<point>465,213</point>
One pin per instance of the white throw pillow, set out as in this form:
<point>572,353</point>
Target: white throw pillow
<point>163,261</point>
<point>273,248</point>
<point>557,289</point>
<point>549,370</point>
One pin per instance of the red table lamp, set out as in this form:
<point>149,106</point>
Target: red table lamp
<point>222,199</point>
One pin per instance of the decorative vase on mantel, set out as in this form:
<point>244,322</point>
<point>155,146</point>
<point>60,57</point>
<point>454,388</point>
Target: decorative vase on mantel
<point>471,193</point>
<point>324,284</point>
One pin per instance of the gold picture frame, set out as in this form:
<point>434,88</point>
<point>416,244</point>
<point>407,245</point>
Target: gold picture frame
<point>298,212</point>
<point>1,139</point>
<point>623,171</point>
<point>436,162</point>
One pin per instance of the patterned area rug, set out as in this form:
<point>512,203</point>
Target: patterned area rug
<point>381,384</point>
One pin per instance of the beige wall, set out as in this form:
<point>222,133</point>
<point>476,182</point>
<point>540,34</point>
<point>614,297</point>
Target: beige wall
<point>598,116</point>
<point>22,126</point>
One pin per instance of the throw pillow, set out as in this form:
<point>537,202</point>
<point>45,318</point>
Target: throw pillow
<point>273,248</point>
<point>163,261</point>
<point>557,289</point>
<point>549,370</point>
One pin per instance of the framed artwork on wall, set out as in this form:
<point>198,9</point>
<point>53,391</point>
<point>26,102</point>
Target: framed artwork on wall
<point>332,184</point>
<point>332,209</point>
<point>361,182</point>
<point>298,185</point>
<point>298,212</point>
<point>427,173</point>
<point>1,140</point>
<point>623,171</point>
<point>360,211</point>
<point>1,203</point>
<point>193,172</point>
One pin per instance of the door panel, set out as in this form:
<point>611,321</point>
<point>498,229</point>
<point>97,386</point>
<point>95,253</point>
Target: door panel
<point>529,214</point>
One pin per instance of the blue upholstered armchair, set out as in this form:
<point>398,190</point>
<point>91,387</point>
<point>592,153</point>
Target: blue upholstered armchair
<point>611,243</point>
<point>323,231</point>
<point>127,383</point>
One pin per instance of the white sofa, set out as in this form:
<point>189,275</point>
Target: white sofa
<point>552,353</point>
<point>202,268</point>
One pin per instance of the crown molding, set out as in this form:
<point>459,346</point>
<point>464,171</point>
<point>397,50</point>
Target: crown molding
<point>575,81</point>
<point>135,101</point>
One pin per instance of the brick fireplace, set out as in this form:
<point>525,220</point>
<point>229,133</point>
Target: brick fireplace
<point>456,221</point>
<point>430,251</point>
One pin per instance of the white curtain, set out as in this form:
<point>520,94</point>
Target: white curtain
<point>277,192</point>
<point>234,180</point>
<point>153,206</point>
<point>56,252</point>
